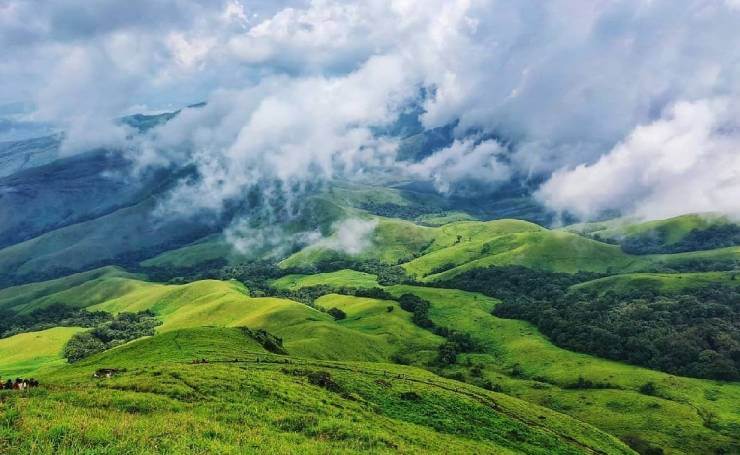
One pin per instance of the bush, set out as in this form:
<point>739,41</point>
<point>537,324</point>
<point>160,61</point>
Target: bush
<point>123,328</point>
<point>337,314</point>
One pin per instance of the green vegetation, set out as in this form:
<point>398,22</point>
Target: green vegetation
<point>56,315</point>
<point>406,300</point>
<point>122,328</point>
<point>30,352</point>
<point>515,358</point>
<point>693,332</point>
<point>270,403</point>
<point>674,235</point>
<point>660,283</point>
<point>340,278</point>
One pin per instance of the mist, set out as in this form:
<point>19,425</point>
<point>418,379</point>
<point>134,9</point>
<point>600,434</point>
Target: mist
<point>625,107</point>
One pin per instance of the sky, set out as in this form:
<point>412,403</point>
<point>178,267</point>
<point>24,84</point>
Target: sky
<point>614,105</point>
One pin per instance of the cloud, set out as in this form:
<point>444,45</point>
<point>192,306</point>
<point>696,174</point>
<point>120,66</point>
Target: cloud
<point>297,90</point>
<point>467,161</point>
<point>687,161</point>
<point>351,236</point>
<point>292,130</point>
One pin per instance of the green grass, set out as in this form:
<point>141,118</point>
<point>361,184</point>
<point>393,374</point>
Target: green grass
<point>436,253</point>
<point>387,323</point>
<point>184,345</point>
<point>348,278</point>
<point>267,404</point>
<point>392,241</point>
<point>211,248</point>
<point>620,409</point>
<point>27,353</point>
<point>673,229</point>
<point>544,250</point>
<point>723,255</point>
<point>76,290</point>
<point>440,219</point>
<point>545,371</point>
<point>307,332</point>
<point>659,282</point>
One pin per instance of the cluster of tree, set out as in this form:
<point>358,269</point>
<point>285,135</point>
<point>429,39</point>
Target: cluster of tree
<point>123,328</point>
<point>55,315</point>
<point>268,341</point>
<point>694,333</point>
<point>511,282</point>
<point>653,242</point>
<point>337,314</point>
<point>308,295</point>
<point>388,275</point>
<point>389,210</point>
<point>456,342</point>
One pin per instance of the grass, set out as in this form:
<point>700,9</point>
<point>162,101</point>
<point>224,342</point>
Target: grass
<point>545,250</point>
<point>673,229</point>
<point>521,361</point>
<point>68,290</point>
<point>387,323</point>
<point>659,282</point>
<point>437,253</point>
<point>211,248</point>
<point>684,415</point>
<point>440,219</point>
<point>272,404</point>
<point>27,353</point>
<point>392,241</point>
<point>349,278</point>
<point>544,371</point>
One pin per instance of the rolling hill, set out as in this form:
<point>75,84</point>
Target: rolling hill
<point>277,404</point>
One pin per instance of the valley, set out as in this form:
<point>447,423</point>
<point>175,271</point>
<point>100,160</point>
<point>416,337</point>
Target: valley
<point>203,317</point>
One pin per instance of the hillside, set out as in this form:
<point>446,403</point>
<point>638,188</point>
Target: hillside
<point>347,316</point>
<point>293,406</point>
<point>689,232</point>
<point>517,359</point>
<point>659,282</point>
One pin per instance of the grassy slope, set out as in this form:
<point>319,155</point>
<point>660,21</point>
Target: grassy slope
<point>29,352</point>
<point>66,290</point>
<point>460,246</point>
<point>674,229</point>
<point>266,403</point>
<point>306,331</point>
<point>393,241</point>
<point>386,323</point>
<point>349,278</point>
<point>659,282</point>
<point>547,370</point>
<point>84,245</point>
<point>729,254</point>
<point>430,254</point>
<point>210,248</point>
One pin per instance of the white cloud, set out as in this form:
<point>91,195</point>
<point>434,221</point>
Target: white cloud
<point>296,88</point>
<point>351,236</point>
<point>466,161</point>
<point>688,161</point>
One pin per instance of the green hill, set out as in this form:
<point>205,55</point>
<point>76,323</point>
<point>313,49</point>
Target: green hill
<point>279,405</point>
<point>78,290</point>
<point>441,252</point>
<point>520,361</point>
<point>690,232</point>
<point>27,353</point>
<point>205,319</point>
<point>438,253</point>
<point>671,229</point>
<point>659,282</point>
